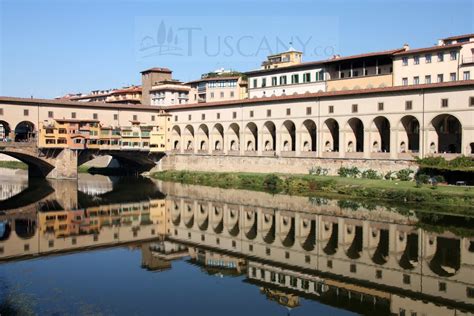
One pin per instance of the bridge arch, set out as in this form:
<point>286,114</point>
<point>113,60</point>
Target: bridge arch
<point>233,137</point>
<point>24,131</point>
<point>5,130</point>
<point>37,167</point>
<point>25,229</point>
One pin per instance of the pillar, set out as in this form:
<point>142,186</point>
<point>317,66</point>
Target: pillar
<point>65,165</point>
<point>367,141</point>
<point>394,143</point>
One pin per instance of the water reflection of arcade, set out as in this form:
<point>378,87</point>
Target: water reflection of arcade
<point>369,256</point>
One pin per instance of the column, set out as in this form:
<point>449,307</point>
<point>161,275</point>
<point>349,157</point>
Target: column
<point>367,143</point>
<point>225,144</point>
<point>298,143</point>
<point>259,142</point>
<point>278,143</point>
<point>394,143</point>
<point>342,143</point>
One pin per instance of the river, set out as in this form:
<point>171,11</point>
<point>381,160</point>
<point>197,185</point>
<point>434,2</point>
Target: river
<point>136,246</point>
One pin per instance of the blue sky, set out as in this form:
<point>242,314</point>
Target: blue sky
<point>49,48</point>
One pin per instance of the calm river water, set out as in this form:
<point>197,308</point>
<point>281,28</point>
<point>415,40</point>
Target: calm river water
<point>134,246</point>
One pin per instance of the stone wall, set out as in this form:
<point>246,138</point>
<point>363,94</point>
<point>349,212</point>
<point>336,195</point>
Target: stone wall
<point>228,163</point>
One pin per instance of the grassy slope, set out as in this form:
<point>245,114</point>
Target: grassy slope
<point>444,199</point>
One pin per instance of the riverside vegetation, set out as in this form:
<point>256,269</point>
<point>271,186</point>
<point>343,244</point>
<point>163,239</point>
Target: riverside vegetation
<point>402,189</point>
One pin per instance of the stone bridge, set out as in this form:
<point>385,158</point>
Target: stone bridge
<point>62,163</point>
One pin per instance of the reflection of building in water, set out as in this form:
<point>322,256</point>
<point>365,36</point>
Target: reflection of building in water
<point>376,255</point>
<point>157,256</point>
<point>217,263</point>
<point>65,230</point>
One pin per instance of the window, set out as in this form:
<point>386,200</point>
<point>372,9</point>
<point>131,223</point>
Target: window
<point>453,55</point>
<point>268,251</point>
<point>264,82</point>
<point>440,56</point>
<point>152,118</point>
<point>353,268</point>
<point>452,76</point>
<point>288,111</point>
<point>274,81</point>
<point>269,113</point>
<point>189,117</point>
<point>222,95</point>
<point>380,106</point>
<point>254,83</point>
<point>307,259</point>
<point>293,281</point>
<point>287,255</point>
<point>329,264</point>
<point>428,79</point>
<point>405,81</point>
<point>95,116</point>
<point>282,80</point>
<point>251,113</point>
<point>354,108</point>
<point>26,112</point>
<point>308,110</point>
<point>405,61</point>
<point>73,115</point>
<point>50,114</point>
<point>212,95</point>
<point>234,115</point>
<point>471,101</point>
<point>307,77</point>
<point>331,109</point>
<point>251,249</point>
<point>470,292</point>
<point>408,105</point>
<point>416,60</point>
<point>442,286</point>
<point>428,58</point>
<point>295,78</point>
<point>406,279</point>
<point>218,116</point>
<point>135,118</point>
<point>440,78</point>
<point>232,94</point>
<point>203,116</point>
<point>444,103</point>
<point>416,80</point>
<point>234,244</point>
<point>26,247</point>
<point>378,274</point>
<point>116,117</point>
<point>175,118</point>
<point>466,75</point>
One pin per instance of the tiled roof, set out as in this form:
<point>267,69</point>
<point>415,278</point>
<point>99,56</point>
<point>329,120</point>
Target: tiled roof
<point>456,37</point>
<point>214,79</point>
<point>429,49</point>
<point>53,102</point>
<point>326,61</point>
<point>157,69</point>
<point>318,95</point>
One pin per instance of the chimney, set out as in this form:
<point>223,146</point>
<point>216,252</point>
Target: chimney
<point>406,46</point>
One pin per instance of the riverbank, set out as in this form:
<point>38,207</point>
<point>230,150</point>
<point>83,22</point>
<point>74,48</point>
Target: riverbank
<point>22,166</point>
<point>440,198</point>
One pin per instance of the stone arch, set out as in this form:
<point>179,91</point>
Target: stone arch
<point>5,231</point>
<point>308,135</point>
<point>355,135</point>
<point>269,136</point>
<point>203,137</point>
<point>251,137</point>
<point>5,130</point>
<point>24,131</point>
<point>411,137</point>
<point>176,137</point>
<point>331,135</point>
<point>333,242</point>
<point>288,136</point>
<point>447,259</point>
<point>448,133</point>
<point>471,146</point>
<point>188,138</point>
<point>233,137</point>
<point>217,137</point>
<point>382,134</point>
<point>24,228</point>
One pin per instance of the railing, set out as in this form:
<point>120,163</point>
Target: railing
<point>468,60</point>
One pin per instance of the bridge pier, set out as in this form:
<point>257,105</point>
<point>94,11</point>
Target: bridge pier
<point>65,165</point>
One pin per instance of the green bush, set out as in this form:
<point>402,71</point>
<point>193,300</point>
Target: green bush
<point>422,178</point>
<point>351,172</point>
<point>318,171</point>
<point>404,174</point>
<point>371,174</point>
<point>439,179</point>
<point>272,183</point>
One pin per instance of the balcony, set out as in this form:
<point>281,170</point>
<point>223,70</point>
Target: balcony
<point>468,60</point>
